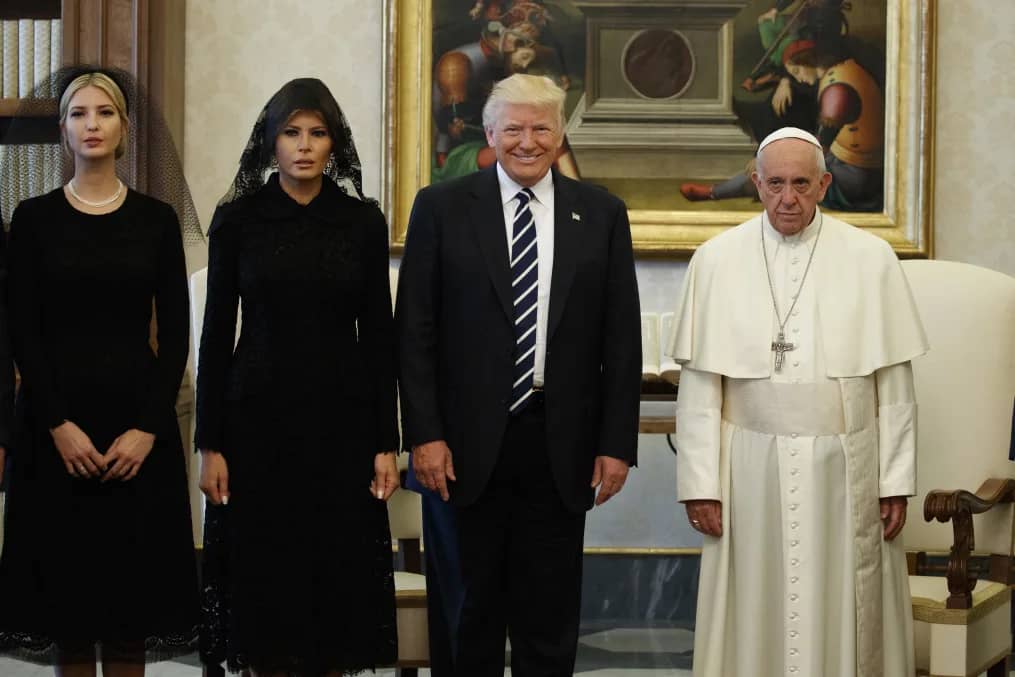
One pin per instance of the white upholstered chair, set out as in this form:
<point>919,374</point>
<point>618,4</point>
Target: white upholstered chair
<point>198,294</point>
<point>965,388</point>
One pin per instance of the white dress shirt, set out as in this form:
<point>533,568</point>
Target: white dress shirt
<point>542,211</point>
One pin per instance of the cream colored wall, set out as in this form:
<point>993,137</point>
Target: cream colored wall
<point>975,178</point>
<point>239,52</point>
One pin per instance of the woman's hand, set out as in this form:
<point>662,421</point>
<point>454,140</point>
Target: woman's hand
<point>77,451</point>
<point>127,453</point>
<point>385,476</point>
<point>214,477</point>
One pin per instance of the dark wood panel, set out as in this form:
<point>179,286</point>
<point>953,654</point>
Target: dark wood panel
<point>29,9</point>
<point>8,107</point>
<point>39,130</point>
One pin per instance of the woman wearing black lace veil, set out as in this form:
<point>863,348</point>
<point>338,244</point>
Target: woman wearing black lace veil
<point>98,560</point>
<point>297,425</point>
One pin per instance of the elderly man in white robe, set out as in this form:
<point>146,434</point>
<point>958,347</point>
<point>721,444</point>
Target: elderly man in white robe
<point>796,427</point>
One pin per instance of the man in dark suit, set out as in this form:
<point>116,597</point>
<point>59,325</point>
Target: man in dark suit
<point>520,366</point>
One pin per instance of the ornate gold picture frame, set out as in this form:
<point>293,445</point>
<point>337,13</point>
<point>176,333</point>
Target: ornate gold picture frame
<point>659,230</point>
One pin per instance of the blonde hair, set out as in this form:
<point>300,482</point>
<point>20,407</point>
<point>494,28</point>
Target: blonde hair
<point>530,90</point>
<point>111,89</point>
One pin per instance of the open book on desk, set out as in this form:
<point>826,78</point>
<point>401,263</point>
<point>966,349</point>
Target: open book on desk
<point>656,332</point>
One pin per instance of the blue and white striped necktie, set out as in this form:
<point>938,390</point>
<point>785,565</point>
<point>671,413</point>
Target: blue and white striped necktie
<point>524,290</point>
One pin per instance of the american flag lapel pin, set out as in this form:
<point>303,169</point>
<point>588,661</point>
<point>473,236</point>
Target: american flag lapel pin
<point>575,216</point>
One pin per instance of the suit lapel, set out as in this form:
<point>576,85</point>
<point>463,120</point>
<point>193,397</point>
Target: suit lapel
<point>568,219</point>
<point>487,215</point>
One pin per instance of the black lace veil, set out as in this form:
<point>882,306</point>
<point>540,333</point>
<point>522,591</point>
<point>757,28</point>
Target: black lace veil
<point>33,161</point>
<point>307,94</point>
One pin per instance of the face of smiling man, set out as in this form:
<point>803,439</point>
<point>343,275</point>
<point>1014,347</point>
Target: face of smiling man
<point>527,140</point>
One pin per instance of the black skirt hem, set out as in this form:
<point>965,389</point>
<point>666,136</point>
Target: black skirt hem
<point>42,650</point>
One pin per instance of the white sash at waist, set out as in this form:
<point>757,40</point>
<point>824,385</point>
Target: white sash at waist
<point>761,405</point>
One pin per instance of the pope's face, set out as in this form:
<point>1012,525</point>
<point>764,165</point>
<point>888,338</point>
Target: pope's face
<point>790,184</point>
<point>527,140</point>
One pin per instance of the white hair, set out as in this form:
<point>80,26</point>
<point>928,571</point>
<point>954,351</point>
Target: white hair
<point>531,90</point>
<point>819,160</point>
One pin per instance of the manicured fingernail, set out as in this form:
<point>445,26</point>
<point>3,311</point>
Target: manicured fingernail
<point>225,500</point>
<point>380,494</point>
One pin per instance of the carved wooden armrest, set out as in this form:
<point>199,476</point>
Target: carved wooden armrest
<point>959,506</point>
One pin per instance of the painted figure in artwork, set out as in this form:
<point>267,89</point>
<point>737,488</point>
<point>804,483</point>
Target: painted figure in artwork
<point>514,38</point>
<point>820,83</point>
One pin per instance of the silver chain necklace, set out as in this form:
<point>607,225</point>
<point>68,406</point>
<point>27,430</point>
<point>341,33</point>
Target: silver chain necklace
<point>100,203</point>
<point>780,346</point>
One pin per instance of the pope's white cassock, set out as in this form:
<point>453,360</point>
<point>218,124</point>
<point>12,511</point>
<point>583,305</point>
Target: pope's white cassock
<point>801,581</point>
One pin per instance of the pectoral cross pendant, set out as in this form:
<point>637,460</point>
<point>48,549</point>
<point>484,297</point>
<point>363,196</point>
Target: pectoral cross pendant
<point>781,347</point>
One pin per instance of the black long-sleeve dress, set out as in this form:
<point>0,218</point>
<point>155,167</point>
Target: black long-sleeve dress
<point>6,359</point>
<point>82,559</point>
<point>297,570</point>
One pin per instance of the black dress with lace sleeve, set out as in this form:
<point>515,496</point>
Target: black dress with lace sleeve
<point>297,571</point>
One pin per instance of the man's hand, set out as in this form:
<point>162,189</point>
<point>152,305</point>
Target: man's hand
<point>433,467</point>
<point>609,475</point>
<point>385,476</point>
<point>214,477</point>
<point>77,451</point>
<point>893,515</point>
<point>705,516</point>
<point>125,456</point>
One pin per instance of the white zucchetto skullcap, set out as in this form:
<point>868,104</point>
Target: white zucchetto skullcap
<point>789,133</point>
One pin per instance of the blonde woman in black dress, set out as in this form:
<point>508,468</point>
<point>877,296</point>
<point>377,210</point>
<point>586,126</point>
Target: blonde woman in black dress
<point>98,562</point>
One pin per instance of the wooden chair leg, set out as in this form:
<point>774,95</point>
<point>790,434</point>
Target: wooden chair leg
<point>999,669</point>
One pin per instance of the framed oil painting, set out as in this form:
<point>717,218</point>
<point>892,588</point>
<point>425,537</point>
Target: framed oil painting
<point>667,100</point>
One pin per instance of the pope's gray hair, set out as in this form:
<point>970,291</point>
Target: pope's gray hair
<point>819,158</point>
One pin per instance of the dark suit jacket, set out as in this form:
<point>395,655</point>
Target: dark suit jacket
<point>456,338</point>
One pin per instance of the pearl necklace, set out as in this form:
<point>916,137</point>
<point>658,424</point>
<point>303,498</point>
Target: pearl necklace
<point>100,203</point>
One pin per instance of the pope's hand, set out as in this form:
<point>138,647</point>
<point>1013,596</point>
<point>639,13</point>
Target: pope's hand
<point>705,516</point>
<point>893,515</point>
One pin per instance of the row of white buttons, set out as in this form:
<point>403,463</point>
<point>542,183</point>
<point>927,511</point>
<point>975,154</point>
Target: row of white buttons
<point>794,579</point>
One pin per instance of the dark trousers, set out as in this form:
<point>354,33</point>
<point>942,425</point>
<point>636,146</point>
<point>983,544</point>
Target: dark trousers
<point>444,588</point>
<point>521,556</point>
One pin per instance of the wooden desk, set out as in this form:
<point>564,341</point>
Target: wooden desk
<point>658,391</point>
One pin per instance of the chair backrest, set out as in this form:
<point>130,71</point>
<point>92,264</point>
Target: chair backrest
<point>965,391</point>
<point>405,515</point>
<point>198,296</point>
